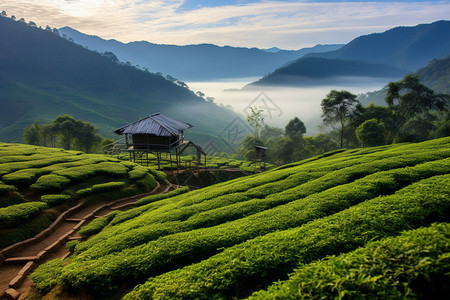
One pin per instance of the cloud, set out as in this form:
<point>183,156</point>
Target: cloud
<point>291,24</point>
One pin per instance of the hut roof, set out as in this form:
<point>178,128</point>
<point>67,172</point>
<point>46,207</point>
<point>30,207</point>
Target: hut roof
<point>156,124</point>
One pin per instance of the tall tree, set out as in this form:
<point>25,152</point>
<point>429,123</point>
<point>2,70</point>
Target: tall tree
<point>295,129</point>
<point>255,120</point>
<point>32,135</point>
<point>371,133</point>
<point>408,99</point>
<point>338,108</point>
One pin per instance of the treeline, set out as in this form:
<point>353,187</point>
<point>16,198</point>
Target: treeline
<point>413,113</point>
<point>67,133</point>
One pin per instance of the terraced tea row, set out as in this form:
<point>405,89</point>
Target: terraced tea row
<point>34,179</point>
<point>241,235</point>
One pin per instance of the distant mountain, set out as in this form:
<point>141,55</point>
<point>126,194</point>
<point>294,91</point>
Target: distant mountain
<point>407,48</point>
<point>194,62</point>
<point>319,71</point>
<point>43,75</point>
<point>436,76</point>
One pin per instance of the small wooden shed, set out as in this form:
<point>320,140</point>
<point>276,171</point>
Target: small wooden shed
<point>154,133</point>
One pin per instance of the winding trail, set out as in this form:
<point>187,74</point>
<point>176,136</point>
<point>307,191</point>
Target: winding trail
<point>19,260</point>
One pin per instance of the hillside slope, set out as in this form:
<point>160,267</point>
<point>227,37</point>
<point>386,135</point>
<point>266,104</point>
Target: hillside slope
<point>321,71</point>
<point>435,75</point>
<point>235,238</point>
<point>43,76</point>
<point>195,62</point>
<point>407,48</point>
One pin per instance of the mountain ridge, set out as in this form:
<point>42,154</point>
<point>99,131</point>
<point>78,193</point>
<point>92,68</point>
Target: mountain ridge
<point>43,75</point>
<point>194,62</point>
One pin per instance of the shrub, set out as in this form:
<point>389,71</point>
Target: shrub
<point>147,183</point>
<point>44,277</point>
<point>71,245</point>
<point>55,199</point>
<point>108,186</point>
<point>138,172</point>
<point>280,252</point>
<point>157,197</point>
<point>4,188</point>
<point>412,265</point>
<point>84,192</point>
<point>50,182</point>
<point>97,225</point>
<point>21,211</point>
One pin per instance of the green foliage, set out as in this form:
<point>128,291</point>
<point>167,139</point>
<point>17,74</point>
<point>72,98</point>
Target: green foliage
<point>338,107</point>
<point>414,264</point>
<point>64,132</point>
<point>55,199</point>
<point>44,275</point>
<point>371,133</point>
<point>295,129</point>
<point>84,192</point>
<point>409,99</point>
<point>71,245</point>
<point>238,236</point>
<point>280,252</point>
<point>6,188</point>
<point>157,197</point>
<point>50,183</point>
<point>21,211</point>
<point>108,186</point>
<point>97,225</point>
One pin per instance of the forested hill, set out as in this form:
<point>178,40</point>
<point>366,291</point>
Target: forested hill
<point>195,62</point>
<point>404,47</point>
<point>316,71</point>
<point>43,75</point>
<point>436,75</point>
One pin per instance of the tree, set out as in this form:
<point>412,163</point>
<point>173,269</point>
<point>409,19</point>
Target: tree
<point>371,133</point>
<point>337,108</point>
<point>255,120</point>
<point>408,99</point>
<point>32,134</point>
<point>295,129</point>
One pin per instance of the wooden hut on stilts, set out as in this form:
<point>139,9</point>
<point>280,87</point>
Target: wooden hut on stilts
<point>157,134</point>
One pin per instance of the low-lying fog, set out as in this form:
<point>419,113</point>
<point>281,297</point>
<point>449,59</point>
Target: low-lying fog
<point>282,104</point>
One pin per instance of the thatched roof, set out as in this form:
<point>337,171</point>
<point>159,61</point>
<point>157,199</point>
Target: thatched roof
<point>156,124</point>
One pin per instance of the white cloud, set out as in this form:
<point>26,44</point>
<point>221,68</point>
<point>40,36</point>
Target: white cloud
<point>265,24</point>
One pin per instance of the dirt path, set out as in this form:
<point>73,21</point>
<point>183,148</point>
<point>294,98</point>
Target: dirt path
<point>14,281</point>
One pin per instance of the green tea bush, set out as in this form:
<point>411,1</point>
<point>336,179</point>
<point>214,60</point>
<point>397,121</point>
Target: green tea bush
<point>55,199</point>
<point>147,183</point>
<point>415,264</point>
<point>45,275</point>
<point>280,252</point>
<point>21,211</point>
<point>157,197</point>
<point>97,225</point>
<point>50,182</point>
<point>4,188</point>
<point>23,177</point>
<point>71,245</point>
<point>193,245</point>
<point>108,186</point>
<point>138,172</point>
<point>210,213</point>
<point>84,192</point>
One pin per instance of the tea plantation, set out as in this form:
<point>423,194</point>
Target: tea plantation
<point>37,183</point>
<point>362,223</point>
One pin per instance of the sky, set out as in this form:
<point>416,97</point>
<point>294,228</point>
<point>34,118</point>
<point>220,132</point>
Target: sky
<point>287,24</point>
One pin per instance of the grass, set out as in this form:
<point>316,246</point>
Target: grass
<point>238,237</point>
